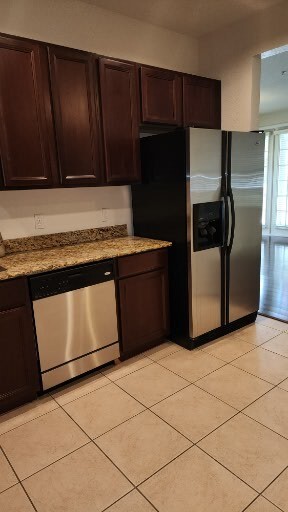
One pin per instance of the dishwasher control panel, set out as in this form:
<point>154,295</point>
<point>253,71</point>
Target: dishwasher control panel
<point>63,281</point>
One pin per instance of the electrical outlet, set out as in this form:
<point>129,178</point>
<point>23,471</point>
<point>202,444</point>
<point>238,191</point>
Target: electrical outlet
<point>104,215</point>
<point>39,221</point>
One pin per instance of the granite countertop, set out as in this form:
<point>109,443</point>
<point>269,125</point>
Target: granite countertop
<point>28,262</point>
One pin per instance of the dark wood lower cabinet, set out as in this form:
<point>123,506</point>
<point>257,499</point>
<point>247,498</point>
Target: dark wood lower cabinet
<point>18,361</point>
<point>144,313</point>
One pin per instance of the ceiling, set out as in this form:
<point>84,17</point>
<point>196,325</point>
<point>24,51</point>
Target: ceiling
<point>274,84</point>
<point>193,17</point>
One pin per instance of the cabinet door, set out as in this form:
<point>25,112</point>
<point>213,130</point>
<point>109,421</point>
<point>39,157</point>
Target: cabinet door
<point>118,81</point>
<point>75,101</point>
<point>144,309</point>
<point>27,146</point>
<point>161,96</point>
<point>202,102</point>
<point>18,364</point>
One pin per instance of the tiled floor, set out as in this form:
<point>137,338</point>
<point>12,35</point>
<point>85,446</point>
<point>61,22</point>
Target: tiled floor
<point>169,430</point>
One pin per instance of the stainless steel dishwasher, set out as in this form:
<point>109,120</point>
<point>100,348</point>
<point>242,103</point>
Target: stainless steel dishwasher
<point>76,321</point>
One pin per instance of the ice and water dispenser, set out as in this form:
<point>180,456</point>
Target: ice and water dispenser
<point>208,225</point>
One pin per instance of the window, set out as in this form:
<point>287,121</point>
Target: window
<point>265,182</point>
<point>282,180</point>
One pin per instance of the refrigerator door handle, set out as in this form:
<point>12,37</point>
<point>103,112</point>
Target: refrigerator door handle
<point>225,220</point>
<point>230,193</point>
<point>232,216</point>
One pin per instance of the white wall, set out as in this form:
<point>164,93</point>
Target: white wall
<point>79,25</point>
<point>230,55</point>
<point>86,27</point>
<point>63,209</point>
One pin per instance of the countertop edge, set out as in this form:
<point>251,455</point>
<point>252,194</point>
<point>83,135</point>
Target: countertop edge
<point>157,244</point>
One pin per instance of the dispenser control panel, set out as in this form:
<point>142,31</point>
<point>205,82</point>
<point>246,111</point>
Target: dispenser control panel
<point>208,225</point>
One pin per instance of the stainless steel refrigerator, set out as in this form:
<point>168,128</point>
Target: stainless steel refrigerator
<point>202,190</point>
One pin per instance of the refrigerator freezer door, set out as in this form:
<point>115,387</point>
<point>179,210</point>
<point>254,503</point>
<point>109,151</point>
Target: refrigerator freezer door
<point>203,185</point>
<point>247,169</point>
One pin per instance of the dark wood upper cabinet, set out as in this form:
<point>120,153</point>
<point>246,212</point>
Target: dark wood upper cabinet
<point>76,111</point>
<point>27,146</point>
<point>161,96</point>
<point>120,113</point>
<point>19,380</point>
<point>201,102</point>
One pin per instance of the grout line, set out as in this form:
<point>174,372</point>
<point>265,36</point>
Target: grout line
<point>57,460</point>
<point>119,499</point>
<point>272,481</point>
<point>155,363</point>
<point>78,397</point>
<point>269,501</point>
<point>10,486</point>
<point>136,370</point>
<point>10,465</point>
<point>165,465</point>
<point>147,408</point>
<point>172,426</point>
<point>193,382</point>
<point>269,350</point>
<point>29,421</point>
<point>162,399</point>
<point>225,467</point>
<point>167,355</point>
<point>249,505</point>
<point>252,502</point>
<point>118,425</point>
<point>19,481</point>
<point>92,440</point>
<point>147,499</point>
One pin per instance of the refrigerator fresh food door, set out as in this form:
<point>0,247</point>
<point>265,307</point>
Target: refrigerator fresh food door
<point>204,190</point>
<point>245,189</point>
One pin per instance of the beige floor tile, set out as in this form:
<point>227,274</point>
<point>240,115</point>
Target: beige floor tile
<point>15,500</point>
<point>163,350</point>
<point>195,482</point>
<point>142,445</point>
<point>42,441</point>
<point>26,413</point>
<point>194,412</point>
<point>277,492</point>
<point>228,348</point>
<point>278,345</point>
<point>271,410</point>
<point>7,477</point>
<point>84,481</point>
<point>191,365</point>
<point>120,369</point>
<point>152,384</point>
<point>251,451</point>
<point>133,502</point>
<point>284,385</point>
<point>264,364</point>
<point>271,322</point>
<point>81,387</point>
<point>233,386</point>
<point>262,505</point>
<point>103,409</point>
<point>257,334</point>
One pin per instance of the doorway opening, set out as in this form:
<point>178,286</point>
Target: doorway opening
<point>273,119</point>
